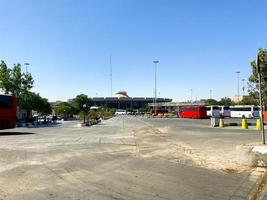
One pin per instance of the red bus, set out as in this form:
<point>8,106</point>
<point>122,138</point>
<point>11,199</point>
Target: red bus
<point>193,111</point>
<point>8,110</point>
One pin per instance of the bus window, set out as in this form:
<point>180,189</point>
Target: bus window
<point>215,108</point>
<point>5,102</point>
<point>256,108</point>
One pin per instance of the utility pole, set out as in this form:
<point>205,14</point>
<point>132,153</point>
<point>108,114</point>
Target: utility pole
<point>258,67</point>
<point>26,66</point>
<point>191,91</point>
<point>110,63</point>
<point>155,97</point>
<point>210,93</point>
<point>238,85</point>
<point>243,87</point>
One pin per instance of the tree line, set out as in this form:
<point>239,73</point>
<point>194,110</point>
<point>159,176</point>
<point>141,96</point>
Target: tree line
<point>80,106</point>
<point>253,85</point>
<point>15,82</point>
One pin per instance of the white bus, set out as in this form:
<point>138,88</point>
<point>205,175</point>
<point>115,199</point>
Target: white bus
<point>225,111</point>
<point>213,111</point>
<point>246,111</point>
<point>120,112</point>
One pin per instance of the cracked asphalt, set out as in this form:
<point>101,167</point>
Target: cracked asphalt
<point>122,158</point>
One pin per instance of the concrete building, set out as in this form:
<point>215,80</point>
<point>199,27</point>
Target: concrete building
<point>123,101</point>
<point>236,98</point>
<point>120,101</point>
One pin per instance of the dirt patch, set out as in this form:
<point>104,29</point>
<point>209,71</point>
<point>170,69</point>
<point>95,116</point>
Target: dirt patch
<point>151,145</point>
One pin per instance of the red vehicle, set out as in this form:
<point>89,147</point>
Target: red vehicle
<point>8,110</point>
<point>193,111</point>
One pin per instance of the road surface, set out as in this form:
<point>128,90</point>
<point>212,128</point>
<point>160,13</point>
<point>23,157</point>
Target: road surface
<point>123,158</point>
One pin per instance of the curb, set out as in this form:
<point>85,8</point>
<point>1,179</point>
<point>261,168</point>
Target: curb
<point>239,124</point>
<point>249,188</point>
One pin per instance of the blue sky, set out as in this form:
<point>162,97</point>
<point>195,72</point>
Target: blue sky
<point>200,45</point>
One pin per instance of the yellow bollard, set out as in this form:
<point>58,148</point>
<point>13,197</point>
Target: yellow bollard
<point>221,123</point>
<point>258,124</point>
<point>244,124</point>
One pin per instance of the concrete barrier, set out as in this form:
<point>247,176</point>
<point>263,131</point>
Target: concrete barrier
<point>252,155</point>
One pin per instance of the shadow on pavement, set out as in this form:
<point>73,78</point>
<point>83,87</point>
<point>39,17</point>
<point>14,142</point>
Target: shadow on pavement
<point>15,133</point>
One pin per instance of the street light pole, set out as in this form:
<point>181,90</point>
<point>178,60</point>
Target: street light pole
<point>243,87</point>
<point>238,85</point>
<point>84,108</point>
<point>26,65</point>
<point>260,97</point>
<point>191,91</point>
<point>155,95</point>
<point>210,93</point>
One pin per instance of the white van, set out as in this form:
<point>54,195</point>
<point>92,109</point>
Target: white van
<point>213,111</point>
<point>246,111</point>
<point>225,111</point>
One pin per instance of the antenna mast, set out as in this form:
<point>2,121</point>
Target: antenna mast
<point>110,63</point>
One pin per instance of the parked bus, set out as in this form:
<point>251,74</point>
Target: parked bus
<point>246,111</point>
<point>193,111</point>
<point>8,109</point>
<point>225,111</point>
<point>120,112</point>
<point>213,111</point>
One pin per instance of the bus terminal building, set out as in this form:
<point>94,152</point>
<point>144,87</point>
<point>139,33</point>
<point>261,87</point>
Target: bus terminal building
<point>123,101</point>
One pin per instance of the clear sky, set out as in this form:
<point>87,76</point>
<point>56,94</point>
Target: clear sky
<point>200,45</point>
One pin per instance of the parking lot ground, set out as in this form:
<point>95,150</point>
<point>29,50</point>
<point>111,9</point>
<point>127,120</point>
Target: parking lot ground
<point>122,158</point>
<point>212,147</point>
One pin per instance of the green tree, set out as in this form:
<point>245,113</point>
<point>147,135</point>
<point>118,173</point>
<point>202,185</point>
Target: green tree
<point>64,109</point>
<point>248,101</point>
<point>33,101</point>
<point>16,78</point>
<point>226,102</point>
<point>210,102</point>
<point>82,103</point>
<point>5,83</point>
<point>43,106</point>
<point>253,79</point>
<point>92,114</point>
<point>13,81</point>
<point>27,82</point>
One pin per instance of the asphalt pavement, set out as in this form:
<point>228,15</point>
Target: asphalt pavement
<point>125,157</point>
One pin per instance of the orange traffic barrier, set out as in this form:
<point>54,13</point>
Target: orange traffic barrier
<point>265,115</point>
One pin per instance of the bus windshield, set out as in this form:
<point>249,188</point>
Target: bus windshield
<point>6,102</point>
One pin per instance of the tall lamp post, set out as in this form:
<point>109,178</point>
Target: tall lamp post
<point>26,66</point>
<point>258,67</point>
<point>155,95</point>
<point>243,88</point>
<point>237,73</point>
<point>191,93</point>
<point>210,93</point>
<point>84,108</point>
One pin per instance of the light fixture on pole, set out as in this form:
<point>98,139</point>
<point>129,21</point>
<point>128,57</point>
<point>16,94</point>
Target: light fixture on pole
<point>155,92</point>
<point>26,65</point>
<point>237,85</point>
<point>84,112</point>
<point>243,88</point>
